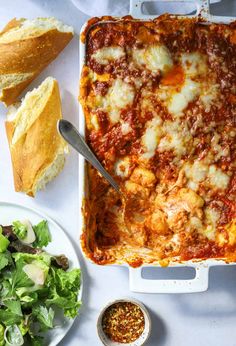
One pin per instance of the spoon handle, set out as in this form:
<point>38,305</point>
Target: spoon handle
<point>72,136</point>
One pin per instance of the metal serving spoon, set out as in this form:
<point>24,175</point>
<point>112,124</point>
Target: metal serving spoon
<point>72,136</point>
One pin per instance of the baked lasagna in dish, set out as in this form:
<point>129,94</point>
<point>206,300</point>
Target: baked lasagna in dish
<point>159,98</point>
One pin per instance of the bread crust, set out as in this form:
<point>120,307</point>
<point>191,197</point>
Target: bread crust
<point>38,147</point>
<point>28,56</point>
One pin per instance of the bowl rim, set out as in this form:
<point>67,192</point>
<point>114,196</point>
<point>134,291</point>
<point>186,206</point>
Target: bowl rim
<point>143,337</point>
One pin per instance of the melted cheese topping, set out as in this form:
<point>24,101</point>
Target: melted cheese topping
<point>196,223</point>
<point>200,171</point>
<point>195,173</point>
<point>195,67</point>
<point>143,176</point>
<point>176,137</point>
<point>217,148</point>
<point>94,121</point>
<point>180,100</point>
<point>119,95</point>
<point>212,216</point>
<point>158,58</point>
<point>194,64</point>
<point>107,54</point>
<point>209,95</point>
<point>185,200</point>
<point>138,57</point>
<point>125,128</point>
<point>151,137</point>
<point>122,167</point>
<point>218,178</point>
<point>155,57</point>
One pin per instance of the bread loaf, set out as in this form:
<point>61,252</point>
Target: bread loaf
<point>37,150</point>
<point>26,48</point>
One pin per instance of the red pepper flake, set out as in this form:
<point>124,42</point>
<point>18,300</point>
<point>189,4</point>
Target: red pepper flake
<point>123,322</point>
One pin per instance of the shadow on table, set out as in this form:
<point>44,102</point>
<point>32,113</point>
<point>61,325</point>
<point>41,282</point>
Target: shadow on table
<point>70,106</point>
<point>159,331</point>
<point>218,301</point>
<point>71,15</point>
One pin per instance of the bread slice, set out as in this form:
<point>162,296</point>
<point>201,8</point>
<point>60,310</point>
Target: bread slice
<point>26,48</point>
<point>37,150</point>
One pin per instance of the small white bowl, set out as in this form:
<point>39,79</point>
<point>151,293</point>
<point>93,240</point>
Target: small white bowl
<point>138,342</point>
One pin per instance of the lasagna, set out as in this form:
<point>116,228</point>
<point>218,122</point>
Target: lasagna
<point>159,98</point>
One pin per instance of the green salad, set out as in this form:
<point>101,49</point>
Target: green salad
<point>34,284</point>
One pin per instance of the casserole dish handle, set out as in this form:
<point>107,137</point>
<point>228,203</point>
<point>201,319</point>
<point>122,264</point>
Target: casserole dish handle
<point>136,7</point>
<point>202,9</point>
<point>198,284</point>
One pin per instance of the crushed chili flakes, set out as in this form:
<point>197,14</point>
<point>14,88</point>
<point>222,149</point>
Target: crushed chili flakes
<point>123,322</point>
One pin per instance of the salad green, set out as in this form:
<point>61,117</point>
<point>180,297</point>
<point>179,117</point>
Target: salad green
<point>19,229</point>
<point>4,242</point>
<point>33,285</point>
<point>43,236</point>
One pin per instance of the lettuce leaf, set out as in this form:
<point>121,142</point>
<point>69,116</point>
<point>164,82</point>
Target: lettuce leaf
<point>19,229</point>
<point>2,329</point>
<point>44,316</point>
<point>28,300</point>
<point>5,259</point>
<point>19,277</point>
<point>5,289</point>
<point>13,306</point>
<point>63,290</point>
<point>26,258</point>
<point>4,242</point>
<point>43,236</point>
<point>8,318</point>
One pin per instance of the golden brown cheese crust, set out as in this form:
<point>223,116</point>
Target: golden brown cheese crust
<point>159,98</point>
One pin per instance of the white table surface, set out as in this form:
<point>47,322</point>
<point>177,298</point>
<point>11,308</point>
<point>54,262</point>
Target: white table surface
<point>206,319</point>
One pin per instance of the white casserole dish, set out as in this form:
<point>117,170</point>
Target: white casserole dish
<point>136,282</point>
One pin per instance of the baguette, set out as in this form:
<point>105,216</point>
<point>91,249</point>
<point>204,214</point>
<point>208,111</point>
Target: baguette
<point>37,150</point>
<point>26,48</point>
